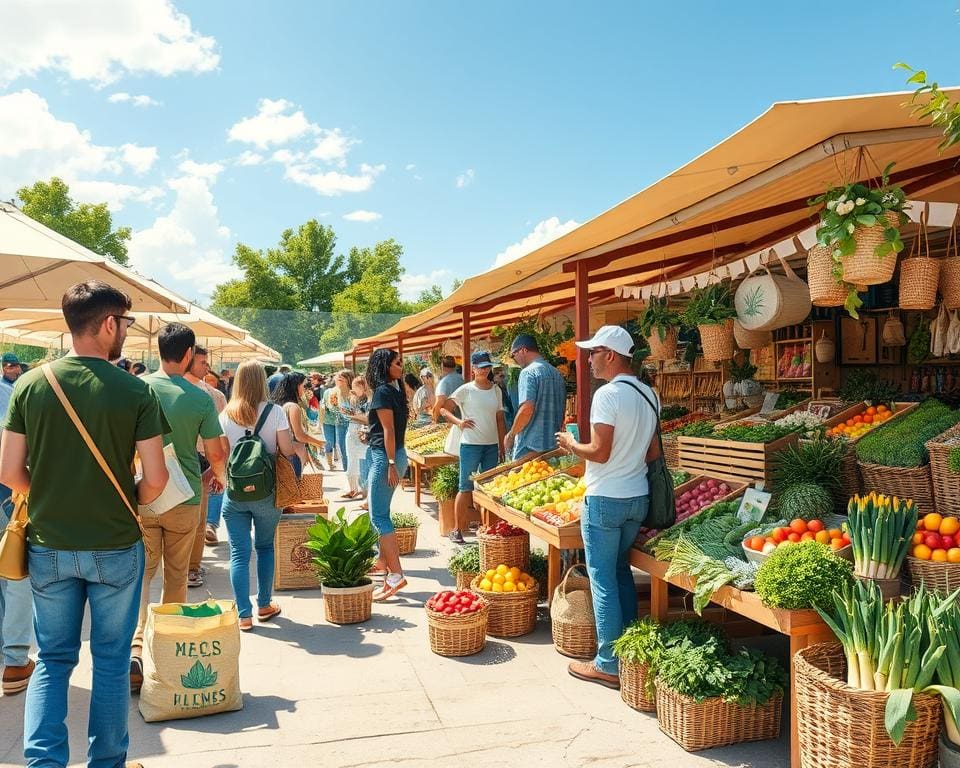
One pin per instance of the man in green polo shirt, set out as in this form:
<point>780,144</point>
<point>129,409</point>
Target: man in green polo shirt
<point>191,415</point>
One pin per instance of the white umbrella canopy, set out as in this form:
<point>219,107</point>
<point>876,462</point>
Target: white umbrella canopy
<point>38,264</point>
<point>148,324</point>
<point>330,358</point>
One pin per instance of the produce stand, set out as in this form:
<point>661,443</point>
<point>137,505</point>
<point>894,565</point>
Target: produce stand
<point>730,459</point>
<point>423,463</point>
<point>804,628</point>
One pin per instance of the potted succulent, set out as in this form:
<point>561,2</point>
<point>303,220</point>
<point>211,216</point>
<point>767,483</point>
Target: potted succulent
<point>711,311</point>
<point>464,565</point>
<point>444,486</point>
<point>405,525</point>
<point>658,325</point>
<point>344,553</point>
<point>861,224</point>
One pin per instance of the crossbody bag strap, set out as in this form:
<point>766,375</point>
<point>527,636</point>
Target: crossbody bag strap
<point>71,412</point>
<point>656,421</point>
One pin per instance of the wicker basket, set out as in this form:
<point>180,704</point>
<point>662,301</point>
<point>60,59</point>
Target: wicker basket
<point>671,451</point>
<point>462,635</point>
<point>463,580</point>
<point>751,339</point>
<point>862,267</point>
<point>825,291</point>
<point>938,577</point>
<point>286,488</point>
<point>662,350</point>
<point>316,508</point>
<point>294,562</point>
<point>946,484</point>
<point>572,622</point>
<point>406,540</point>
<point>311,486</point>
<point>950,273</point>
<point>348,605</point>
<point>633,686</point>
<point>839,726</point>
<point>905,482</point>
<point>507,550</point>
<point>918,282</point>
<point>511,613</point>
<point>717,341</point>
<point>713,722</point>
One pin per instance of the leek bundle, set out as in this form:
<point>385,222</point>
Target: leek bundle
<point>881,529</point>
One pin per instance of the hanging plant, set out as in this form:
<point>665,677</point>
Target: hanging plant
<point>658,316</point>
<point>547,339</point>
<point>712,305</point>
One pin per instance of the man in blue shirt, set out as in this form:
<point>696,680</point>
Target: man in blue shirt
<point>277,377</point>
<point>542,398</point>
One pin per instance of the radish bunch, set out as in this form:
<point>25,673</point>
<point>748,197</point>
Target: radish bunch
<point>703,494</point>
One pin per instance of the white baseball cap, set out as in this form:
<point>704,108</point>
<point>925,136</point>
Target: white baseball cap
<point>612,337</point>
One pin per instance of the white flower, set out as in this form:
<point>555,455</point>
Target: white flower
<point>861,201</point>
<point>831,205</point>
<point>842,199</point>
<point>850,227</point>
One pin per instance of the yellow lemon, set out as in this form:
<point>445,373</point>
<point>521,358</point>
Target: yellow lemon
<point>498,579</point>
<point>515,572</point>
<point>509,578</point>
<point>490,574</point>
<point>498,587</point>
<point>565,495</point>
<point>486,585</point>
<point>501,569</point>
<point>509,587</point>
<point>521,587</point>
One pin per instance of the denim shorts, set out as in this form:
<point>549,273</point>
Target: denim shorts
<point>476,458</point>
<point>379,491</point>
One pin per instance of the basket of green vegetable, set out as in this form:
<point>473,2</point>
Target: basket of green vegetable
<point>801,576</point>
<point>464,565</point>
<point>944,453</point>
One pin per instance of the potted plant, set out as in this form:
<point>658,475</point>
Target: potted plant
<point>741,385</point>
<point>343,555</point>
<point>658,325</point>
<point>711,311</point>
<point>444,486</point>
<point>405,525</point>
<point>538,569</point>
<point>861,224</point>
<point>464,565</point>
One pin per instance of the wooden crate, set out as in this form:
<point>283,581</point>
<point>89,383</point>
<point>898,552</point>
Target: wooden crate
<point>294,567</point>
<point>729,459</point>
<point>483,478</point>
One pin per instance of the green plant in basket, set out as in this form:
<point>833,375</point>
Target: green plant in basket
<point>817,462</point>
<point>807,501</point>
<point>801,576</point>
<point>658,316</point>
<point>538,565</point>
<point>446,482</point>
<point>712,305</point>
<point>404,520</point>
<point>343,551</point>
<point>466,560</point>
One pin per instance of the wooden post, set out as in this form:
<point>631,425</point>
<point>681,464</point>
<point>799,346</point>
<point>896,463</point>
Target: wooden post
<point>400,349</point>
<point>582,331</point>
<point>353,360</point>
<point>466,345</point>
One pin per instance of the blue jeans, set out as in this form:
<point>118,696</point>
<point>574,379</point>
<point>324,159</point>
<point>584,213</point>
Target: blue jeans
<point>16,610</point>
<point>341,431</point>
<point>609,528</point>
<point>380,491</point>
<point>263,517</point>
<point>475,458</point>
<point>364,467</point>
<point>214,508</point>
<point>329,437</point>
<point>63,582</point>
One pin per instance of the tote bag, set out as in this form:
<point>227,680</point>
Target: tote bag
<point>176,491</point>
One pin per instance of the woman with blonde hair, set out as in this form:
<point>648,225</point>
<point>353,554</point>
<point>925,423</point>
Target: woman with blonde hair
<point>334,399</point>
<point>249,412</point>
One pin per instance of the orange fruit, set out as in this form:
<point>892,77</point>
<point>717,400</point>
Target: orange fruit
<point>882,408</point>
<point>949,526</point>
<point>755,543</point>
<point>521,587</point>
<point>836,544</point>
<point>807,536</point>
<point>921,552</point>
<point>815,525</point>
<point>953,555</point>
<point>835,533</point>
<point>498,578</point>
<point>939,555</point>
<point>794,537</point>
<point>932,521</point>
<point>511,587</point>
<point>918,537</point>
<point>871,411</point>
<point>822,536</point>
<point>799,526</point>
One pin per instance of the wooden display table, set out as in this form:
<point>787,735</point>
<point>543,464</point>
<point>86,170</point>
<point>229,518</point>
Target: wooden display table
<point>423,463</point>
<point>802,627</point>
<point>566,537</point>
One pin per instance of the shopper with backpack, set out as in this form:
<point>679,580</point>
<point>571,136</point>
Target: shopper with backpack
<point>254,430</point>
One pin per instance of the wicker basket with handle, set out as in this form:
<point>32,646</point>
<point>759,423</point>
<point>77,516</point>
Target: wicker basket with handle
<point>406,540</point>
<point>950,273</point>
<point>825,291</point>
<point>862,267</point>
<point>751,339</point>
<point>839,726</point>
<point>946,483</point>
<point>506,550</point>
<point>665,349</point>
<point>462,635</point>
<point>511,613</point>
<point>919,275</point>
<point>572,622</point>
<point>633,686</point>
<point>311,483</point>
<point>348,605</point>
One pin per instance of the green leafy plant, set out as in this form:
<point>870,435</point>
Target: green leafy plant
<point>671,412</point>
<point>801,576</point>
<point>754,433</point>
<point>465,560</point>
<point>344,552</point>
<point>712,305</point>
<point>864,386</point>
<point>918,349</point>
<point>902,442</point>
<point>742,371</point>
<point>446,482</point>
<point>547,338</point>
<point>753,305</point>
<point>404,520</point>
<point>953,460</point>
<point>817,461</point>
<point>658,316</point>
<point>703,428</point>
<point>538,565</point>
<point>790,397</point>
<point>199,676</point>
<point>853,206</point>
<point>928,101</point>
<point>808,501</point>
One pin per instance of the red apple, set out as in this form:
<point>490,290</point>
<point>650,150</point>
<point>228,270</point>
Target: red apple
<point>933,540</point>
<point>948,542</point>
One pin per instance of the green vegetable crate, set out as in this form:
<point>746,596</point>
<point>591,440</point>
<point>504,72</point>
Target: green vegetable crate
<point>730,459</point>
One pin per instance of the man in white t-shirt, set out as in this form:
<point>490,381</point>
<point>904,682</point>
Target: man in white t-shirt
<point>623,419</point>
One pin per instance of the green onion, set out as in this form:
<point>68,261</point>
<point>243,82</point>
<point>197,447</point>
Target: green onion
<point>881,529</point>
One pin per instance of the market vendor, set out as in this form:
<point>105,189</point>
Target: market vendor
<point>623,420</point>
<point>542,397</point>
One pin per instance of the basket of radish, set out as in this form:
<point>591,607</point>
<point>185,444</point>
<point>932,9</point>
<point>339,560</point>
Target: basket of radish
<point>457,622</point>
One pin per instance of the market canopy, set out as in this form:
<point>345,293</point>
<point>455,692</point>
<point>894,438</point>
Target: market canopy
<point>330,358</point>
<point>38,264</point>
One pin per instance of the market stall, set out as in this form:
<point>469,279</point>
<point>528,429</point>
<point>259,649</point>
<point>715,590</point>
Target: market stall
<point>425,452</point>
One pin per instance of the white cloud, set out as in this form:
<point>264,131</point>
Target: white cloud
<point>327,183</point>
<point>100,40</point>
<point>466,178</point>
<point>546,231</point>
<point>138,101</point>
<point>185,249</point>
<point>332,146</point>
<point>362,215</point>
<point>410,286</point>
<point>411,166</point>
<point>276,122</point>
<point>37,145</point>
<point>114,194</point>
<point>249,158</point>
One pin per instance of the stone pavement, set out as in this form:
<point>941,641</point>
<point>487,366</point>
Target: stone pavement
<point>374,695</point>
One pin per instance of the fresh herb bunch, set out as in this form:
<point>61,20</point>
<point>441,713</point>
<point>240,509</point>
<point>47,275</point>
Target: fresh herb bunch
<point>790,397</point>
<point>754,433</point>
<point>344,552</point>
<point>902,443</point>
<point>710,572</point>
<point>707,530</point>
<point>801,576</point>
<point>702,428</point>
<point>817,461</point>
<point>671,412</point>
<point>404,520</point>
<point>918,349</point>
<point>446,482</point>
<point>679,477</point>
<point>953,460</point>
<point>466,560</point>
<point>881,530</point>
<point>658,316</point>
<point>712,305</point>
<point>864,386</point>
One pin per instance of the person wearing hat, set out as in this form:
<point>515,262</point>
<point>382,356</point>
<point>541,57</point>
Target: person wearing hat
<point>11,369</point>
<point>482,421</point>
<point>542,400</point>
<point>450,381</point>
<point>423,399</point>
<point>623,421</point>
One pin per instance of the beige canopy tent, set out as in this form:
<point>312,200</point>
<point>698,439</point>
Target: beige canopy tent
<point>38,264</point>
<point>330,358</point>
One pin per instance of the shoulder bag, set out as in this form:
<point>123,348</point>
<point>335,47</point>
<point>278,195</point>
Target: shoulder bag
<point>13,543</point>
<point>663,510</point>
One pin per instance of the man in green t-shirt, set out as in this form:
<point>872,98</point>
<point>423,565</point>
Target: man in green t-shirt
<point>170,536</point>
<point>84,543</point>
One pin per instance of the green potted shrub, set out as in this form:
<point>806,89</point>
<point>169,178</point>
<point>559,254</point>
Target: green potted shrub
<point>711,311</point>
<point>405,525</point>
<point>444,487</point>
<point>344,552</point>
<point>658,325</point>
<point>464,565</point>
<point>538,569</point>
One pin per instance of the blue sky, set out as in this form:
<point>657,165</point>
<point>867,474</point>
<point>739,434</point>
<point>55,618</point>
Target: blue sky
<point>467,131</point>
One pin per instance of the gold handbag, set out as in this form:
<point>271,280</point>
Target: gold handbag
<point>13,543</point>
<point>287,491</point>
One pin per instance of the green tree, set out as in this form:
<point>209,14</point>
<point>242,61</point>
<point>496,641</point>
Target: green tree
<point>49,202</point>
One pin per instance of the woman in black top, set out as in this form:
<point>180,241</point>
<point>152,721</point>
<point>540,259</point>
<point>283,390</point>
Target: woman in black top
<point>387,458</point>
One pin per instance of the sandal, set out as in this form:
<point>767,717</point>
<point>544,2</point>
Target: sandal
<point>272,610</point>
<point>348,496</point>
<point>388,590</point>
<point>246,623</point>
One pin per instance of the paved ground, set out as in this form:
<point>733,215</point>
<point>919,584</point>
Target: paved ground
<point>374,695</point>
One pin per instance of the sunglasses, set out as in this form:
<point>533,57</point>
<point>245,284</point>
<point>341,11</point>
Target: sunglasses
<point>130,320</point>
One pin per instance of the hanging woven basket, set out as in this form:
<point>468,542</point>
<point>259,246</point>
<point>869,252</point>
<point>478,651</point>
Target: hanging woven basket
<point>950,273</point>
<point>751,339</point>
<point>717,341</point>
<point>665,349</point>
<point>771,301</point>
<point>863,267</point>
<point>825,291</point>
<point>919,275</point>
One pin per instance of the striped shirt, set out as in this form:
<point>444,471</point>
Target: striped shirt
<point>541,383</point>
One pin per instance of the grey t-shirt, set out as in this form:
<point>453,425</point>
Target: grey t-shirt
<point>447,386</point>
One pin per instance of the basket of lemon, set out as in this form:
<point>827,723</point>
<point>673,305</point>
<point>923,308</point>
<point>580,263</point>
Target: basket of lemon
<point>512,596</point>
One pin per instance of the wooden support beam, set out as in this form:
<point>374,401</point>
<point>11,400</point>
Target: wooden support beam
<point>581,300</point>
<point>466,345</point>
